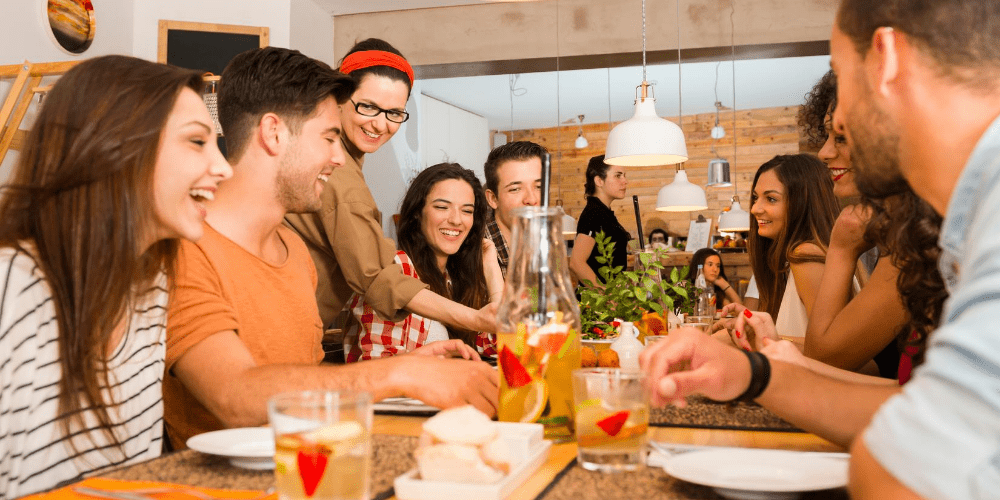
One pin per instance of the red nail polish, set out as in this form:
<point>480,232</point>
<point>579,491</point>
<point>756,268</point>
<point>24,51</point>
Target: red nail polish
<point>746,348</point>
<point>747,313</point>
<point>738,334</point>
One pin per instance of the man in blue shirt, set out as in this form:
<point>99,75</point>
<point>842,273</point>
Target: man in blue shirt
<point>918,101</point>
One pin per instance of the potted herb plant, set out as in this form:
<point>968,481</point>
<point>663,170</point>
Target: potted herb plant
<point>638,295</point>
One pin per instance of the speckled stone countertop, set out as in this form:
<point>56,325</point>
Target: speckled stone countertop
<point>704,413</point>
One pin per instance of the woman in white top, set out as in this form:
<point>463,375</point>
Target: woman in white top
<point>793,210</point>
<point>120,161</point>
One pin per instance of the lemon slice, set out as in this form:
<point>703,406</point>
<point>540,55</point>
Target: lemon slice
<point>537,394</point>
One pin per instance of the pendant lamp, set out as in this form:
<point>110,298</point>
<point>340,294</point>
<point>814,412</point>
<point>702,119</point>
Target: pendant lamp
<point>718,168</point>
<point>581,141</point>
<point>736,219</point>
<point>646,139</point>
<point>681,195</point>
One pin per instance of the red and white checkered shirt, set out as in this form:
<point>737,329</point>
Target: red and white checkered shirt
<point>372,337</point>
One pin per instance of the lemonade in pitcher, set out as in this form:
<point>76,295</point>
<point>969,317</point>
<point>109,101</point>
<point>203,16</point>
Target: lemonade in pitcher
<point>539,321</point>
<point>536,383</point>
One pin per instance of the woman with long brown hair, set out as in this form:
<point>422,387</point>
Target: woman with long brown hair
<point>118,166</point>
<point>793,210</point>
<point>442,228</point>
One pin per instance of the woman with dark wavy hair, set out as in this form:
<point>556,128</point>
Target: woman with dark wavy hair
<point>117,167</point>
<point>842,331</point>
<point>442,224</point>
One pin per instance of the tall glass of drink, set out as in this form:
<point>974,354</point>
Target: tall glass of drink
<point>322,444</point>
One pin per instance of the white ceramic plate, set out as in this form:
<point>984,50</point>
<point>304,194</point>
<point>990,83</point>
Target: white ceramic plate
<point>248,448</point>
<point>404,405</point>
<point>745,474</point>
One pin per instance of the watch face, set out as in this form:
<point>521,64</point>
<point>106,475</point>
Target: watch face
<point>72,23</point>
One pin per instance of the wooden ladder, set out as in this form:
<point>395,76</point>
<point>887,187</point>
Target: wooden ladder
<point>27,77</point>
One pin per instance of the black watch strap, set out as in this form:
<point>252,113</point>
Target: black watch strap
<point>760,376</point>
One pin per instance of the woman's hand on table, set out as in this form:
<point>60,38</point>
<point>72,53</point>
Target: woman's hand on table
<point>451,348</point>
<point>689,362</point>
<point>749,325</point>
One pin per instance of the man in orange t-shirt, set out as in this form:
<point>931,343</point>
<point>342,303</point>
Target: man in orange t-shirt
<point>243,322</point>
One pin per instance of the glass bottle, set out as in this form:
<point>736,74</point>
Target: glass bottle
<point>705,306</point>
<point>539,320</point>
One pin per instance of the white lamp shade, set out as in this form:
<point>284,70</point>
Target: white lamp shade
<point>735,219</point>
<point>568,225</point>
<point>681,196</point>
<point>581,141</point>
<point>645,139</point>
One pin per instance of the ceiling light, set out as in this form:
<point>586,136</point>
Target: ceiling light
<point>718,173</point>
<point>735,219</point>
<point>681,195</point>
<point>646,139</point>
<point>581,141</point>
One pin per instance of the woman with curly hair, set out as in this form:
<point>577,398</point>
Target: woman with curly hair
<point>842,331</point>
<point>441,232</point>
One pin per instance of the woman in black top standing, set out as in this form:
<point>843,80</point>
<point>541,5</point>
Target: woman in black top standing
<point>605,184</point>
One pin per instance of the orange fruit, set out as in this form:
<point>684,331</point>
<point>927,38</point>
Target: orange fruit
<point>608,359</point>
<point>588,358</point>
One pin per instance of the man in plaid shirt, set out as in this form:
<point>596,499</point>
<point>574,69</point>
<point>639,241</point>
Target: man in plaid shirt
<point>513,179</point>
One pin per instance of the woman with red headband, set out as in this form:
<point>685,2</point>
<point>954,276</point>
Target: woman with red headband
<point>345,237</point>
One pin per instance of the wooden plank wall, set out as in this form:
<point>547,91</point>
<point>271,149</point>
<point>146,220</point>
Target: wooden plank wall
<point>761,134</point>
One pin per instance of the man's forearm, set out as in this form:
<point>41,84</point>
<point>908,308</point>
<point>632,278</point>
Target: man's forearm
<point>833,409</point>
<point>247,396</point>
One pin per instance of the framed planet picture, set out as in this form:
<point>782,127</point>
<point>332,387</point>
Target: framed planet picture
<point>72,23</point>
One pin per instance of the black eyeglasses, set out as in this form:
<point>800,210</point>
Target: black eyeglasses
<point>371,110</point>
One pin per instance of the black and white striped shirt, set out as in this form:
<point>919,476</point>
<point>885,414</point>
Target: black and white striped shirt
<point>35,453</point>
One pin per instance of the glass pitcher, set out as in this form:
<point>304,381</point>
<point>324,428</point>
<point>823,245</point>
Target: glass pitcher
<point>539,320</point>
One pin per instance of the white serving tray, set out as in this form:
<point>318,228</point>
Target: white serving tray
<point>525,440</point>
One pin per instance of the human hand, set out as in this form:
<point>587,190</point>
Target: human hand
<point>783,350</point>
<point>690,362</point>
<point>489,250</point>
<point>446,383</point>
<point>485,319</point>
<point>451,348</point>
<point>750,328</point>
<point>849,230</point>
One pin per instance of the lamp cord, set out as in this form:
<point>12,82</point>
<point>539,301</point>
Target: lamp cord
<point>643,41</point>
<point>680,102</point>
<point>732,44</point>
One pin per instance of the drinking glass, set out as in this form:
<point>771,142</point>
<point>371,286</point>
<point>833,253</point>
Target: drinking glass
<point>652,339</point>
<point>703,323</point>
<point>322,444</point>
<point>612,416</point>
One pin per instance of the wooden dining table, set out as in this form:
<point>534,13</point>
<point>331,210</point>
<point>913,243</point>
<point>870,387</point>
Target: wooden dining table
<point>395,434</point>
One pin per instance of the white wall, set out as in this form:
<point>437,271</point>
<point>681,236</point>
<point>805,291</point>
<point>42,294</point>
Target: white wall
<point>25,35</point>
<point>312,31</point>
<point>25,32</point>
<point>452,134</point>
<point>274,14</point>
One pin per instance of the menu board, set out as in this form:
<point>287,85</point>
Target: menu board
<point>699,234</point>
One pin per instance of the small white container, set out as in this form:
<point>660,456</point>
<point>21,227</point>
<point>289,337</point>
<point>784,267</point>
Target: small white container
<point>524,440</point>
<point>628,347</point>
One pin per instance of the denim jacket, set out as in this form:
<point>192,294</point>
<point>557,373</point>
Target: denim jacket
<point>941,436</point>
